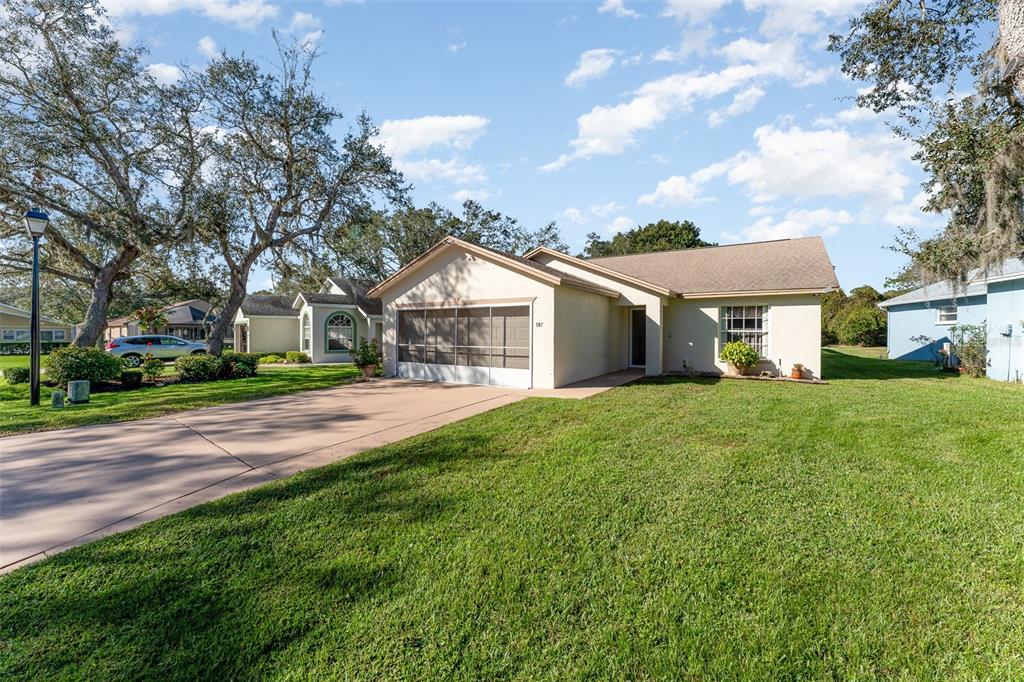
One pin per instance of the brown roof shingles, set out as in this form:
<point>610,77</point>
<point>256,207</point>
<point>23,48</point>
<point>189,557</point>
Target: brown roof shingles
<point>783,265</point>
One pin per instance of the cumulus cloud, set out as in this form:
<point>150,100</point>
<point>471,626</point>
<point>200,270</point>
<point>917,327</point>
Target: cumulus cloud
<point>618,8</point>
<point>796,223</point>
<point>693,41</point>
<point>620,224</point>
<point>742,102</point>
<point>402,137</point>
<point>574,216</point>
<point>794,17</point>
<point>207,47</point>
<point>165,74</point>
<point>606,209</point>
<point>306,28</point>
<point>464,195</point>
<point>592,64</point>
<point>692,11</point>
<point>434,170</point>
<point>247,14</point>
<point>610,130</point>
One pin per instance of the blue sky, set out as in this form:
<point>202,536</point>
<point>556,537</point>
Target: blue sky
<point>598,116</point>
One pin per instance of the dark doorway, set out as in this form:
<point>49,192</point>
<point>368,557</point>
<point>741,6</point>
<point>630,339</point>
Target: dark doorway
<point>638,337</point>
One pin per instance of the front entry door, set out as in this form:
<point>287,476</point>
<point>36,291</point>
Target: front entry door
<point>638,337</point>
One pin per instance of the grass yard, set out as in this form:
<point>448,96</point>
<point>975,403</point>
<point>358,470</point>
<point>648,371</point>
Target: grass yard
<point>671,529</point>
<point>15,361</point>
<point>17,416</point>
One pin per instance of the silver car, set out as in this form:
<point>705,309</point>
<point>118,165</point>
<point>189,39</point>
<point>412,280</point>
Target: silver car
<point>134,348</point>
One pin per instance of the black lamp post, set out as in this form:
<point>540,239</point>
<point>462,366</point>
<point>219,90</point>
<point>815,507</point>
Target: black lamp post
<point>35,223</point>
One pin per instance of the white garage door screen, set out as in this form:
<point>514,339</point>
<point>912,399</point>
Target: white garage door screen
<point>467,345</point>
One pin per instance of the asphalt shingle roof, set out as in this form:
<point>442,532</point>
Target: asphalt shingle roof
<point>266,304</point>
<point>781,265</point>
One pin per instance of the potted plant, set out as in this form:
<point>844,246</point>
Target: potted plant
<point>740,356</point>
<point>366,357</point>
<point>797,372</point>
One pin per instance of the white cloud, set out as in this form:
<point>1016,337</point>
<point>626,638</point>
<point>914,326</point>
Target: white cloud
<point>742,102</point>
<point>247,14</point>
<point>609,130</point>
<point>402,137</point>
<point>796,223</point>
<point>592,64</point>
<point>207,47</point>
<point>692,11</point>
<point>619,224</point>
<point>464,195</point>
<point>455,48</point>
<point>908,215</point>
<point>852,115</point>
<point>165,74</point>
<point>306,28</point>
<point>574,215</point>
<point>618,8</point>
<point>693,41</point>
<point>678,190</point>
<point>605,210</point>
<point>436,170</point>
<point>792,17</point>
<point>805,164</point>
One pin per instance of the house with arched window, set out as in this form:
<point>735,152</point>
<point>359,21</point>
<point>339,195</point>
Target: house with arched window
<point>327,325</point>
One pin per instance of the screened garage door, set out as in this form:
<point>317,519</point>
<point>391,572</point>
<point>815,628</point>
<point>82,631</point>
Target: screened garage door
<point>471,345</point>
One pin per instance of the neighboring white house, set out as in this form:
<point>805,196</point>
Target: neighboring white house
<point>327,324</point>
<point>465,313</point>
<point>15,326</point>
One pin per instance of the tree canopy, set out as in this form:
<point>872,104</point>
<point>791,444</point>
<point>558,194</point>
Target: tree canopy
<point>663,235</point>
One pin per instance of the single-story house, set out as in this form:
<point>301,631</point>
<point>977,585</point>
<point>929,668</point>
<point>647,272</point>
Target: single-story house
<point>15,327</point>
<point>187,319</point>
<point>465,313</point>
<point>326,324</point>
<point>919,320</point>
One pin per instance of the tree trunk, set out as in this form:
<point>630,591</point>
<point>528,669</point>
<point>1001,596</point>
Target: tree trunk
<point>102,291</point>
<point>226,318</point>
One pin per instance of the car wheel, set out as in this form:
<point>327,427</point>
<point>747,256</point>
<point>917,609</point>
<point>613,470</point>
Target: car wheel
<point>132,360</point>
<point>199,352</point>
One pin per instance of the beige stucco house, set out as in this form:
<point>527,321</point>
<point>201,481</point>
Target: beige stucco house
<point>15,327</point>
<point>326,324</point>
<point>465,313</point>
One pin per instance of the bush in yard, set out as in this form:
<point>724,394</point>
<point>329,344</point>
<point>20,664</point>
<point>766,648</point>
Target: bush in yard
<point>271,359</point>
<point>861,324</point>
<point>152,367</point>
<point>131,379</point>
<point>73,363</point>
<point>198,367</point>
<point>16,375</point>
<point>970,348</point>
<point>367,354</point>
<point>739,354</point>
<point>238,365</point>
<point>296,356</point>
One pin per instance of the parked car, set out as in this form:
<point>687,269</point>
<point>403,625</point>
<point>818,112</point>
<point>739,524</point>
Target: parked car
<point>134,348</point>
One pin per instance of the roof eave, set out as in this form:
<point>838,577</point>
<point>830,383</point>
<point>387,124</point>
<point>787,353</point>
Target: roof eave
<point>759,292</point>
<point>607,272</point>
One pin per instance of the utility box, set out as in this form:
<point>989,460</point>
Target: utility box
<point>78,391</point>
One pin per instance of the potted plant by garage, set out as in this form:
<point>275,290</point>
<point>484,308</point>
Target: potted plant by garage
<point>740,356</point>
<point>797,372</point>
<point>367,356</point>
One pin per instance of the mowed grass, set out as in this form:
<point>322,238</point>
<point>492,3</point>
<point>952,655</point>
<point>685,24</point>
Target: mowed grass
<point>672,529</point>
<point>16,416</point>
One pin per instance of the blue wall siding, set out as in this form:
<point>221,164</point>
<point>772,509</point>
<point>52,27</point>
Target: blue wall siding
<point>916,319</point>
<point>1006,307</point>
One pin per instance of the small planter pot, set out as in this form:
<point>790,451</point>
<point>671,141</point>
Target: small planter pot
<point>369,371</point>
<point>796,374</point>
<point>734,371</point>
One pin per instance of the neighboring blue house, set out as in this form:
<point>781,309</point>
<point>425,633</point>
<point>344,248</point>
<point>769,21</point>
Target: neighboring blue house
<point>994,298</point>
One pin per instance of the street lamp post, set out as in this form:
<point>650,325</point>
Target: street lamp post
<point>35,223</point>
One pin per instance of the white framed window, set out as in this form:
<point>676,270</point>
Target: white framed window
<point>16,335</point>
<point>748,323</point>
<point>946,315</point>
<point>60,335</point>
<point>307,332</point>
<point>340,332</point>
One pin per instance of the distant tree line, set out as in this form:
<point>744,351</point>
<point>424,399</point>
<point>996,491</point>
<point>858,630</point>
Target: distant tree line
<point>854,319</point>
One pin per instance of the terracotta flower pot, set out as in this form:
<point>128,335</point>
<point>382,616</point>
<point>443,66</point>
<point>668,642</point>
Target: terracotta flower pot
<point>734,371</point>
<point>369,371</point>
<point>795,374</point>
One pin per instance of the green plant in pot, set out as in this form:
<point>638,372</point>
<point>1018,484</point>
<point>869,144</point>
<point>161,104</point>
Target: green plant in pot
<point>367,356</point>
<point>740,355</point>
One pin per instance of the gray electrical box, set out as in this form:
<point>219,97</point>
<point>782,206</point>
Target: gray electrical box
<point>1008,331</point>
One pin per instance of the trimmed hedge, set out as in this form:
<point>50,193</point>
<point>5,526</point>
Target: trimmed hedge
<point>16,375</point>
<point>296,356</point>
<point>73,363</point>
<point>230,365</point>
<point>238,365</point>
<point>24,348</point>
<point>131,379</point>
<point>270,359</point>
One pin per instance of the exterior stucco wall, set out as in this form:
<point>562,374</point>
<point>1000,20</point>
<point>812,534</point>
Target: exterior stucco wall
<point>457,276</point>
<point>1006,309</point>
<point>318,346</point>
<point>631,296</point>
<point>921,319</point>
<point>12,321</point>
<point>271,334</point>
<point>794,333</point>
<point>583,335</point>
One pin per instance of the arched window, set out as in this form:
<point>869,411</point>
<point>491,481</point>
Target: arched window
<point>341,330</point>
<point>307,332</point>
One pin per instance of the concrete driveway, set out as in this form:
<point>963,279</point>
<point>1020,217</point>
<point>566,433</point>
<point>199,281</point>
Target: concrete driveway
<point>59,489</point>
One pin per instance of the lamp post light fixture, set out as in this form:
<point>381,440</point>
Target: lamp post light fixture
<point>35,223</point>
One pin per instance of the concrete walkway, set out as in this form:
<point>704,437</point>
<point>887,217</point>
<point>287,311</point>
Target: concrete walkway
<point>63,488</point>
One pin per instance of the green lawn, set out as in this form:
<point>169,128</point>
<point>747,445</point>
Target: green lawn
<point>673,529</point>
<point>14,361</point>
<point>17,416</point>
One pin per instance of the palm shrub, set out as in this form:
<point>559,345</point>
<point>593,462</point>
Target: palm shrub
<point>739,354</point>
<point>75,363</point>
<point>296,356</point>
